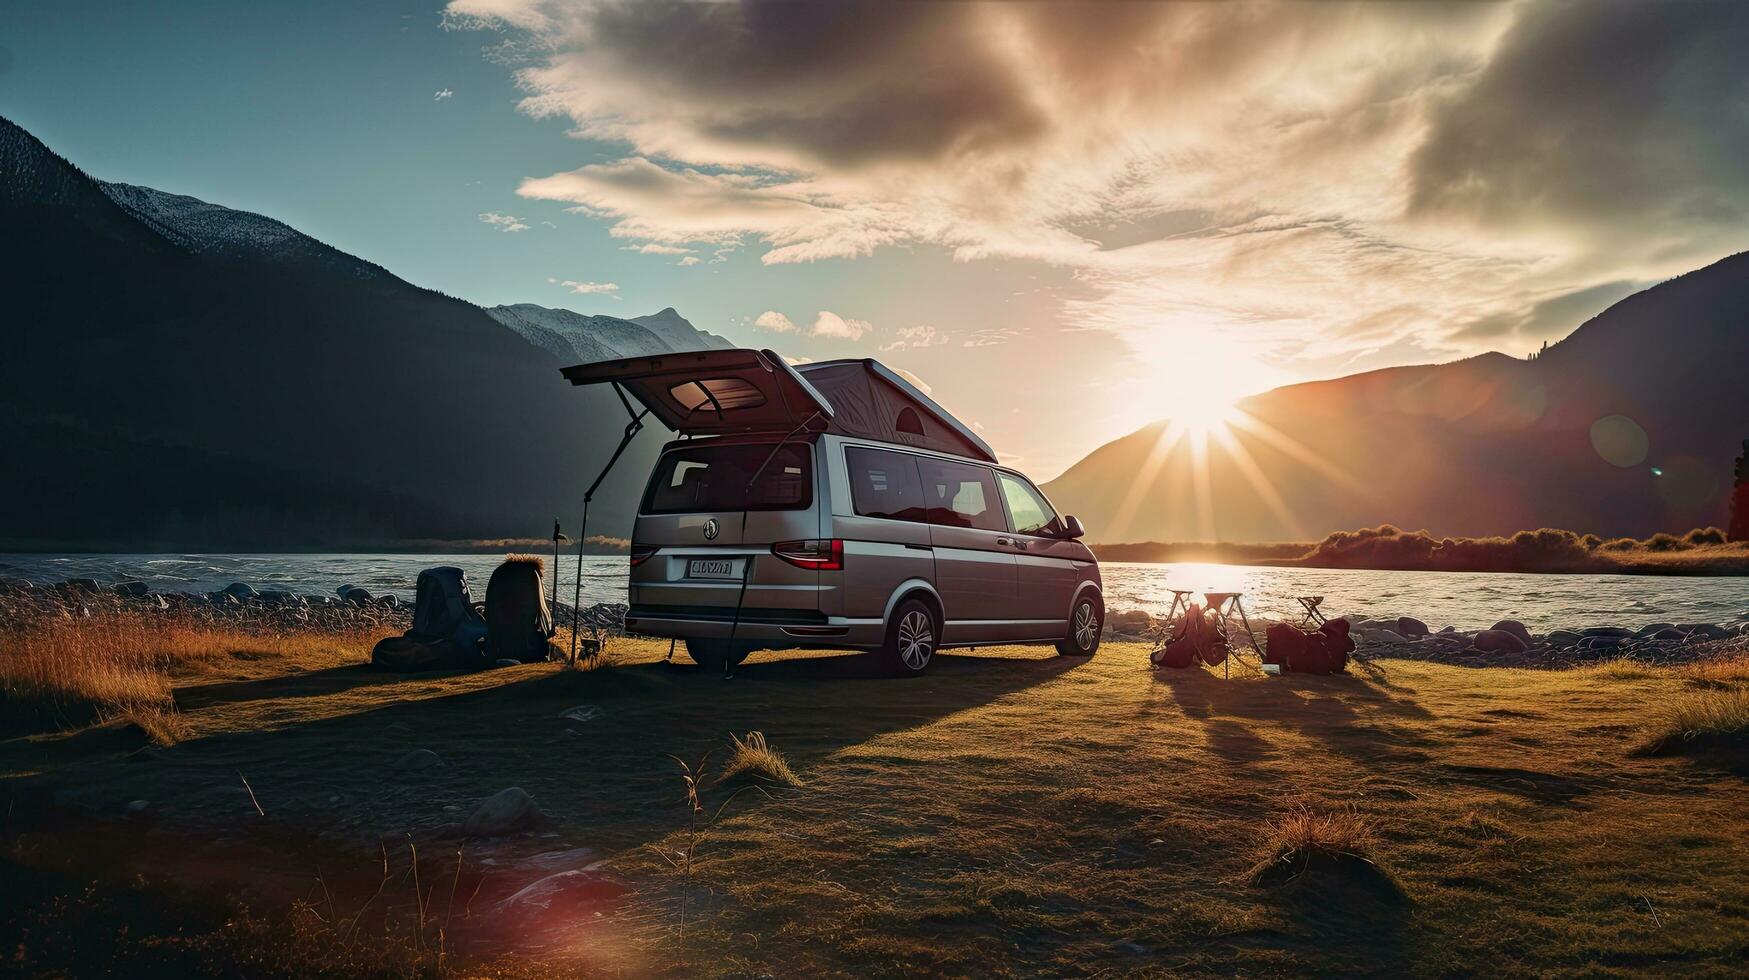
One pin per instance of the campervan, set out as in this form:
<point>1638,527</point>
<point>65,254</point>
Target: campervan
<point>835,505</point>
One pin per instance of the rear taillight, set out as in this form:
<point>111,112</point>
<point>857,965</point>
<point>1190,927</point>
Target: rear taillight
<point>820,554</point>
<point>641,554</point>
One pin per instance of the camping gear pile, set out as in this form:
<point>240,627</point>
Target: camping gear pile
<point>1324,650</point>
<point>1196,637</point>
<point>1202,635</point>
<point>451,630</point>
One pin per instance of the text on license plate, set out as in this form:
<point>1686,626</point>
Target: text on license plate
<point>710,568</point>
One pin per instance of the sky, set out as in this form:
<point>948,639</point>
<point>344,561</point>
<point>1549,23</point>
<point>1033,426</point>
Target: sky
<point>1068,220</point>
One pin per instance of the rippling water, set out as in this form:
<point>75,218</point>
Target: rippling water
<point>1467,600</point>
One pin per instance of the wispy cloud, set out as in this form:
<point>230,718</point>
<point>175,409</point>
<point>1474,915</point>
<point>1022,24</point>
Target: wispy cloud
<point>592,288</point>
<point>688,261</point>
<point>503,222</point>
<point>908,338</point>
<point>652,248</point>
<point>441,94</point>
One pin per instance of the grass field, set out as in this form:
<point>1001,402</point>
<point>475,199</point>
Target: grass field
<point>1010,813</point>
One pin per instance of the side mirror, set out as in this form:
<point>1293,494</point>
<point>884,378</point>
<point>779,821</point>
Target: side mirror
<point>1072,528</point>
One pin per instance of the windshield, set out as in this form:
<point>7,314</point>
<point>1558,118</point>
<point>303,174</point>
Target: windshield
<point>706,478</point>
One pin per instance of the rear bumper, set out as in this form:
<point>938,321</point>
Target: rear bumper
<point>785,627</point>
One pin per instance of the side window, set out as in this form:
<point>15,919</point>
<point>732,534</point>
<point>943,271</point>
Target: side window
<point>1031,514</point>
<point>960,495</point>
<point>884,484</point>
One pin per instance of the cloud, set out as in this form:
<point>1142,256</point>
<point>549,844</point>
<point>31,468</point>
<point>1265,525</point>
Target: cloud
<point>651,248</point>
<point>912,337</point>
<point>503,222</point>
<point>775,322</point>
<point>688,261</point>
<point>826,324</point>
<point>592,288</point>
<point>441,94</point>
<point>1609,124</point>
<point>1319,183</point>
<point>829,324</point>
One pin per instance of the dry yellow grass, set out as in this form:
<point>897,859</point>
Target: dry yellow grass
<point>1698,720</point>
<point>754,756</point>
<point>68,669</point>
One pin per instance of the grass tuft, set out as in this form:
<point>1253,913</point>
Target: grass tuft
<point>754,756</point>
<point>1620,669</point>
<point>1331,849</point>
<point>1699,721</point>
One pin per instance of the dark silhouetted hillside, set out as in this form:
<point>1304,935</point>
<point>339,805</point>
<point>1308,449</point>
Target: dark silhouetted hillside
<point>180,375</point>
<point>1484,446</point>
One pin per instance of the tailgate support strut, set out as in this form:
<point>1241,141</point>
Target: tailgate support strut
<point>632,429</point>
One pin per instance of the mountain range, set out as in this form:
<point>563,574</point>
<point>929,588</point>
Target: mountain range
<point>181,375</point>
<point>1628,426</point>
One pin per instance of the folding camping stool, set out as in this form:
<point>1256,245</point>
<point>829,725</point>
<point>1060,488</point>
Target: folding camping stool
<point>1224,605</point>
<point>1313,617</point>
<point>1166,630</point>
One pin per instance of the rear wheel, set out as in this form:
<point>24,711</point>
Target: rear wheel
<point>911,638</point>
<point>714,653</point>
<point>1084,628</point>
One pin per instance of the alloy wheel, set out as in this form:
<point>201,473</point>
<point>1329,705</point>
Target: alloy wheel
<point>916,639</point>
<point>1086,625</point>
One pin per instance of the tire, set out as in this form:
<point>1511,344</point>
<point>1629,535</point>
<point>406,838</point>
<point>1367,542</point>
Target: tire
<point>912,635</point>
<point>1086,622</point>
<point>712,653</point>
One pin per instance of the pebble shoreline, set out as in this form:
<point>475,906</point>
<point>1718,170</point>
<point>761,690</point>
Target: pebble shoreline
<point>1507,644</point>
<point>241,606</point>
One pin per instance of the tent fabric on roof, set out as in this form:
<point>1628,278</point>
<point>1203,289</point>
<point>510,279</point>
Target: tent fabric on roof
<point>870,401</point>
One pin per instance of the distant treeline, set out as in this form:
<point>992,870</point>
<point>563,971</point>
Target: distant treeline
<point>1702,551</point>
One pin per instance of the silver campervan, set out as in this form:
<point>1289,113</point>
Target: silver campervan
<point>835,505</point>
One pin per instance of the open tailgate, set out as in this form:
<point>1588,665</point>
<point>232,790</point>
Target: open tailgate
<point>712,392</point>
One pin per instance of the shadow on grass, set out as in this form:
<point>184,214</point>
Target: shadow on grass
<point>1339,710</point>
<point>607,782</point>
<point>313,683</point>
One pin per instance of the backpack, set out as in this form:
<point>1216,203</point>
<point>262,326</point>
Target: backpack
<point>441,602</point>
<point>518,622</point>
<point>446,630</point>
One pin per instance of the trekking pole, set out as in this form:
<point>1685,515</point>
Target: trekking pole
<point>557,537</point>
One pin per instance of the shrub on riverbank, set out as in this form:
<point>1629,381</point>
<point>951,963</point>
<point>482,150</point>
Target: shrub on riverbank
<point>1700,551</point>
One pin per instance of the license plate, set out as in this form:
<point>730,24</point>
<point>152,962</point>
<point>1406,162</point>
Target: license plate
<point>710,568</point>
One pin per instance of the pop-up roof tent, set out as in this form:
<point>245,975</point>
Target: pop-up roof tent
<point>716,392</point>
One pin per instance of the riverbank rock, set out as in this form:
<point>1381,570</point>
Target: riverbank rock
<point>1514,627</point>
<point>1129,622</point>
<point>353,594</point>
<point>505,812</point>
<point>132,590</point>
<point>240,591</point>
<point>1501,641</point>
<point>1411,627</point>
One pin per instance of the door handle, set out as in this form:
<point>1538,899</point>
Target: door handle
<point>1012,542</point>
<point>1004,540</point>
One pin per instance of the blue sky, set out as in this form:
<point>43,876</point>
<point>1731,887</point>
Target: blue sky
<point>1068,220</point>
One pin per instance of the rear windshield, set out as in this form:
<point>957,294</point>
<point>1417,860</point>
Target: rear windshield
<point>696,479</point>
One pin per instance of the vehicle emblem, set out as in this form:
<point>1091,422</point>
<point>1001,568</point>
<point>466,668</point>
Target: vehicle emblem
<point>710,529</point>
